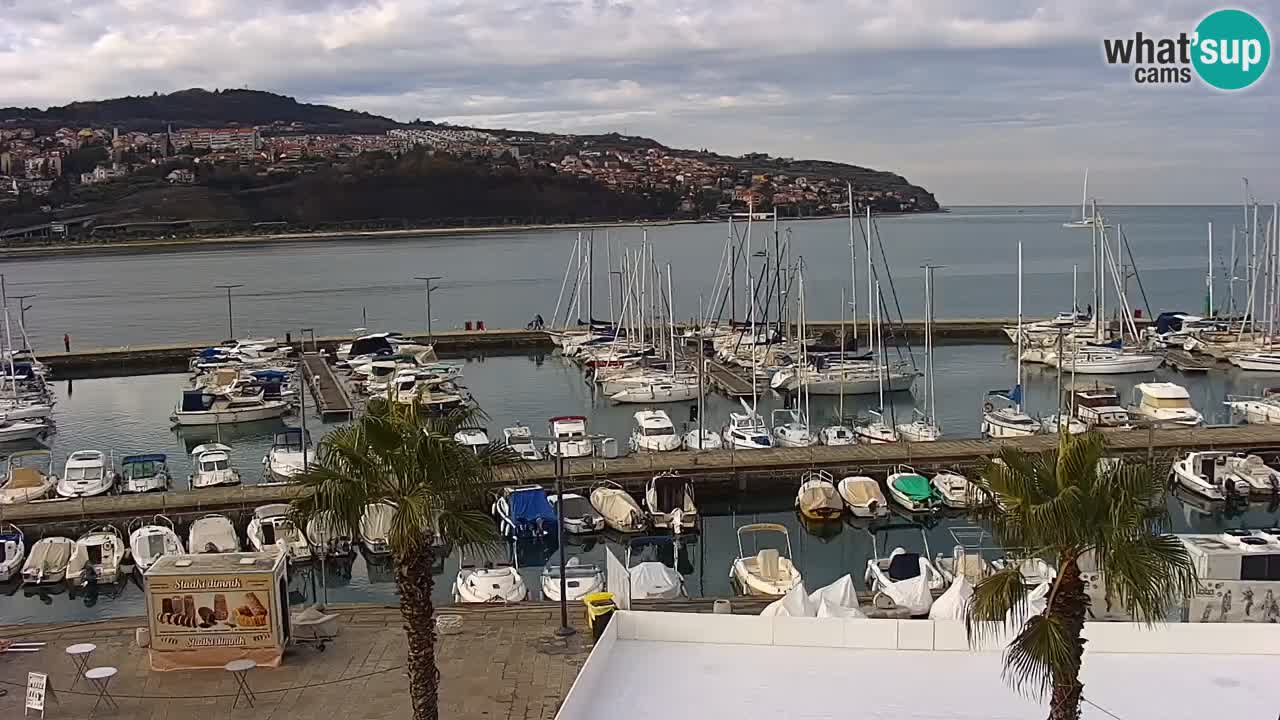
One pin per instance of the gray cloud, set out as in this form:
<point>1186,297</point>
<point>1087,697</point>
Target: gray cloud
<point>979,101</point>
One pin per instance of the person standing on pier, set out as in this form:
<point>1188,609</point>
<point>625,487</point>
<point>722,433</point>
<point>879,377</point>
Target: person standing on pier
<point>66,341</point>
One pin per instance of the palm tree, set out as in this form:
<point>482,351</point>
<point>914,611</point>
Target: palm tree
<point>1071,505</point>
<point>407,457</point>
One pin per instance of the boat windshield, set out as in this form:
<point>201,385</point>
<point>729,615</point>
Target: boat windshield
<point>141,470</point>
<point>84,473</point>
<point>658,431</point>
<point>1167,403</point>
<point>214,465</point>
<point>576,506</point>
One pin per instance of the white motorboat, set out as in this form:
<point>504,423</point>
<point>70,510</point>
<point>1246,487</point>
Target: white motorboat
<point>620,511</point>
<point>1262,361</point>
<point>875,430</point>
<point>920,429</point>
<point>651,567</point>
<point>144,473</point>
<point>862,496</point>
<point>835,435</point>
<point>271,529</point>
<point>212,534</point>
<point>1005,422</point>
<point>661,391</point>
<point>1098,406</point>
<point>653,431</point>
<point>852,377</point>
<point>1165,403</point>
<point>25,409</point>
<point>580,580</point>
<point>211,465</point>
<point>520,440</point>
<point>13,552</point>
<point>290,453</point>
<point>46,564</point>
<point>577,514</point>
<point>474,439</point>
<point>375,527</point>
<point>1035,571</point>
<point>149,542</point>
<point>28,476</point>
<point>906,578</point>
<point>97,557</point>
<point>702,440</point>
<point>1056,423</point>
<point>1207,474</point>
<point>913,491</point>
<point>15,430</point>
<point>525,512</point>
<point>791,429</point>
<point>953,488</point>
<point>571,440</point>
<point>492,582</point>
<point>199,407</point>
<point>1263,410</point>
<point>86,474</point>
<point>669,499</point>
<point>1263,479</point>
<point>817,498</point>
<point>769,571</point>
<point>746,431</point>
<point>327,536</point>
<point>1097,360</point>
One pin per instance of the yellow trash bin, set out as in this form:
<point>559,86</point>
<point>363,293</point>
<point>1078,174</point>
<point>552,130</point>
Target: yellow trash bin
<point>600,607</point>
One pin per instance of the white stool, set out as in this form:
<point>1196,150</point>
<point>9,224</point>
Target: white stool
<point>239,669</point>
<point>80,654</point>
<point>101,677</point>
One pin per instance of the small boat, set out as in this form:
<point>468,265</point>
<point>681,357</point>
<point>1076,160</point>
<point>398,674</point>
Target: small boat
<point>702,440</point>
<point>669,499</point>
<point>212,464</point>
<point>149,542</point>
<point>1263,480</point>
<point>28,477</point>
<point>86,474</point>
<point>913,491</point>
<point>906,578</point>
<point>966,560</point>
<point>290,453</point>
<point>520,440</point>
<point>46,564</point>
<point>1264,410</point>
<point>492,582</point>
<point>144,473</point>
<point>576,513</point>
<point>474,439</point>
<point>326,537</point>
<point>920,429</point>
<point>199,407</point>
<point>16,430</point>
<point>97,557</point>
<point>1008,421</point>
<point>525,512</point>
<point>658,391</point>
<point>953,488</point>
<point>620,511</point>
<point>25,409</point>
<point>791,429</point>
<point>862,496</point>
<point>1085,221</point>
<point>570,433</point>
<point>654,432</point>
<point>1099,406</point>
<point>579,580</point>
<point>1094,360</point>
<point>12,553</point>
<point>375,527</point>
<point>1165,403</point>
<point>1262,361</point>
<point>746,431</point>
<point>271,529</point>
<point>1207,474</point>
<point>875,431</point>
<point>817,498</point>
<point>651,567</point>
<point>212,534</point>
<point>768,571</point>
<point>1058,422</point>
<point>835,435</point>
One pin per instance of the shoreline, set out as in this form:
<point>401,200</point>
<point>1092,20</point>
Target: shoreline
<point>216,242</point>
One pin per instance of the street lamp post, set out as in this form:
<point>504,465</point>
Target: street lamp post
<point>231,328</point>
<point>427,279</point>
<point>564,630</point>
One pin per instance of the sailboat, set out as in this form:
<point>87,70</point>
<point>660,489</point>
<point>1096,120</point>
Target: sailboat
<point>924,426</point>
<point>1086,220</point>
<point>877,430</point>
<point>791,425</point>
<point>839,433</point>
<point>1010,420</point>
<point>746,430</point>
<point>700,438</point>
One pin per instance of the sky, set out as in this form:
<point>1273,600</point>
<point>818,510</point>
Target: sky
<point>997,102</point>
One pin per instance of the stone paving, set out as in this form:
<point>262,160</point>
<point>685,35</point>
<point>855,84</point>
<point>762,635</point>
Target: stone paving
<point>504,663</point>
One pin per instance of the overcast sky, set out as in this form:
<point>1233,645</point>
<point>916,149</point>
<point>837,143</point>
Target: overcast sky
<point>1003,101</point>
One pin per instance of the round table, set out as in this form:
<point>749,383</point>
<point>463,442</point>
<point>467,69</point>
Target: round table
<point>80,654</point>
<point>239,670</point>
<point>101,677</point>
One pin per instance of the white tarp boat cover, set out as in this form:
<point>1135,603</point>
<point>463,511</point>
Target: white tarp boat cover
<point>375,522</point>
<point>49,557</point>
<point>617,506</point>
<point>839,599</point>
<point>654,580</point>
<point>794,604</point>
<point>1037,602</point>
<point>912,593</point>
<point>954,603</point>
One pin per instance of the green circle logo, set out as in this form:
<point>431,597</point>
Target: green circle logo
<point>1232,49</point>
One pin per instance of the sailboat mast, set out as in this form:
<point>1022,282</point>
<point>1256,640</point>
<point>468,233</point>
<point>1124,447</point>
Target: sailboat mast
<point>871,307</point>
<point>751,311</point>
<point>702,362</point>
<point>879,335</point>
<point>732,248</point>
<point>1075,304</point>
<point>853,274</point>
<point>929,406</point>
<point>591,264</point>
<point>608,261</point>
<point>1018,375</point>
<point>1208,278</point>
<point>671,321</point>
<point>8,339</point>
<point>843,350</point>
<point>801,315</point>
<point>577,286</point>
<point>1084,198</point>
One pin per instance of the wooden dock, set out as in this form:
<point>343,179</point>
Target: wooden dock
<point>717,474</point>
<point>730,381</point>
<point>331,397</point>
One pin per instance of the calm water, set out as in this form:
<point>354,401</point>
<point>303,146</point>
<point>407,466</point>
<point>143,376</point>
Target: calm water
<point>131,415</point>
<point>503,279</point>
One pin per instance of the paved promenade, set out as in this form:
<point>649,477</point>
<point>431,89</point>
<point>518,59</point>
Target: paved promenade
<point>505,663</point>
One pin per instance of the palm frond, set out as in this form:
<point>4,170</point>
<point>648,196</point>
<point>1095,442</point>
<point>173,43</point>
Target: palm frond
<point>1001,597</point>
<point>1043,649</point>
<point>1147,574</point>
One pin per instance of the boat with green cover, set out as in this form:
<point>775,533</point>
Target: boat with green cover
<point>913,491</point>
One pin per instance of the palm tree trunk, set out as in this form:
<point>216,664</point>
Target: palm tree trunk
<point>415,582</point>
<point>1069,605</point>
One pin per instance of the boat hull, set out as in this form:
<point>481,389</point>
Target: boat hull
<point>228,417</point>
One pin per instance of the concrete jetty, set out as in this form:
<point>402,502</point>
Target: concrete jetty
<point>331,397</point>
